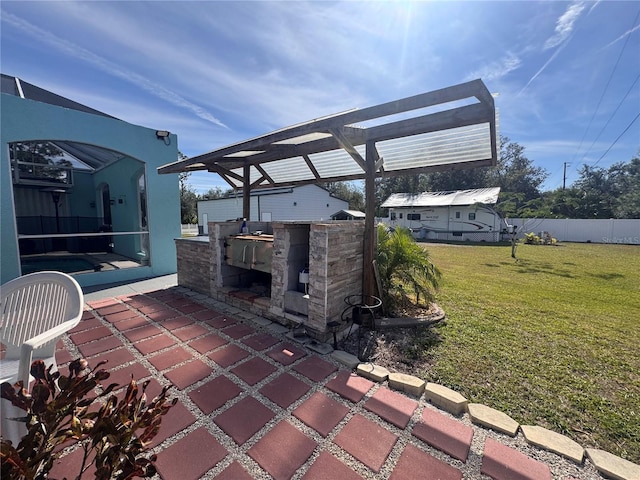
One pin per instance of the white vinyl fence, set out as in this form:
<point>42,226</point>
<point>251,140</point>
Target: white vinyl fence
<point>582,230</point>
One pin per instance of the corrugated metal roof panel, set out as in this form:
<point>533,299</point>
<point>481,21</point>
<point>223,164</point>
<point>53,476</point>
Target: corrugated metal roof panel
<point>453,127</point>
<point>443,199</point>
<point>456,145</point>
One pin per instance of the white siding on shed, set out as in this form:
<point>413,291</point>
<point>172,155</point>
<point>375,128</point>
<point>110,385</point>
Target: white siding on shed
<point>304,203</point>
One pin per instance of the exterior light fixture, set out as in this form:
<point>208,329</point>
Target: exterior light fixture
<point>162,133</point>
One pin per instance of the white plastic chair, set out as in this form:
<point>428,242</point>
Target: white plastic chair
<point>37,309</point>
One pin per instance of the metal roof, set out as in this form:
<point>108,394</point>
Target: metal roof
<point>451,128</point>
<point>487,196</point>
<point>90,157</point>
<point>19,88</point>
<point>446,129</point>
<point>353,213</point>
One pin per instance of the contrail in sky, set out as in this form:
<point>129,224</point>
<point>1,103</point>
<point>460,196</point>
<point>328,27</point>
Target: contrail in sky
<point>109,67</point>
<point>562,36</point>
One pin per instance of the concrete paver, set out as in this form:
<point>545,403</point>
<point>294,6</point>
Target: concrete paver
<point>492,418</point>
<point>613,466</point>
<point>198,452</point>
<point>504,463</point>
<point>367,441</point>
<point>445,398</point>
<point>407,383</point>
<point>446,434</point>
<point>553,441</point>
<point>326,421</point>
<point>321,412</point>
<point>282,450</point>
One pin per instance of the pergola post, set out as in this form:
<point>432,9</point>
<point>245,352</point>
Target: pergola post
<point>369,247</point>
<point>246,191</point>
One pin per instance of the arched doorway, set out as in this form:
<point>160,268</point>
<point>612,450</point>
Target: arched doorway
<point>79,208</point>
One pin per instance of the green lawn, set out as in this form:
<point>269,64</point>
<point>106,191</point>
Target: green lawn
<point>552,339</point>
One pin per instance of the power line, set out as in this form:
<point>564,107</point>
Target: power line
<point>606,87</point>
<point>613,114</point>
<point>619,137</point>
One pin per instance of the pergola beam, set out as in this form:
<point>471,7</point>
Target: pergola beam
<point>272,151</point>
<point>346,145</point>
<point>300,145</point>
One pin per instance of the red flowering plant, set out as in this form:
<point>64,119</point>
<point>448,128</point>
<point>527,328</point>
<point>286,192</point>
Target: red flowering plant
<point>113,436</point>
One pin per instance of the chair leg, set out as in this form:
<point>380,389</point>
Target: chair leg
<point>11,429</point>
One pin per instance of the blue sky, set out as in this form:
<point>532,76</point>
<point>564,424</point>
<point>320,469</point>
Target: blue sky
<point>566,74</point>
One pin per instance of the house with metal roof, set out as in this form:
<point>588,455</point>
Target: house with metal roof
<point>80,192</point>
<point>461,215</point>
<point>299,203</point>
<point>348,215</point>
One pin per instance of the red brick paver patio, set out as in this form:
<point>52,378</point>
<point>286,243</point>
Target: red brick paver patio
<point>252,404</point>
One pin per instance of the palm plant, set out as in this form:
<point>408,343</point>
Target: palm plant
<point>404,266</point>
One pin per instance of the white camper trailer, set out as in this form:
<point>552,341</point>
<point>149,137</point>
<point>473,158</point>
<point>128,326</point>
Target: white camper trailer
<point>454,215</point>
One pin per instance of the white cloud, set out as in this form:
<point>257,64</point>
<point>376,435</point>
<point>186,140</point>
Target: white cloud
<point>497,69</point>
<point>563,34</point>
<point>109,67</point>
<point>564,25</point>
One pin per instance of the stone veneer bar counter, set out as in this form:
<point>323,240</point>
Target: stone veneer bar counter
<point>331,252</point>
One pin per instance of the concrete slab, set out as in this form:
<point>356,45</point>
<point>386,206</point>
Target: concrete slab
<point>275,327</point>
<point>346,359</point>
<point>553,441</point>
<point>301,339</point>
<point>261,321</point>
<point>492,418</point>
<point>318,347</point>
<point>613,466</point>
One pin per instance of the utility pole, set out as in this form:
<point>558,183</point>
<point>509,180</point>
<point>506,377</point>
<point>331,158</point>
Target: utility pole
<point>564,175</point>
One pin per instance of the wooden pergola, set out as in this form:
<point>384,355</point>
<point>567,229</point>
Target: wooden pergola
<point>448,129</point>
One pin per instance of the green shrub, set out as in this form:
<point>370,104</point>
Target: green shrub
<point>113,437</point>
<point>405,268</point>
<point>533,239</point>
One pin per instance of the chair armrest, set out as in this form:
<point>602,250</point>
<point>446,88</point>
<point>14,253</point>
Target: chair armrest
<point>26,351</point>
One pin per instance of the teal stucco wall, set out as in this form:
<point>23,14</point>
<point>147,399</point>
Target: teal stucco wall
<point>26,120</point>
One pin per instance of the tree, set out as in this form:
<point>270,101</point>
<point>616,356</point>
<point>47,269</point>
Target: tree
<point>188,200</point>
<point>188,197</point>
<point>608,193</point>
<point>515,173</point>
<point>458,179</point>
<point>213,193</point>
<point>596,193</point>
<point>627,180</point>
<point>41,161</point>
<point>349,192</point>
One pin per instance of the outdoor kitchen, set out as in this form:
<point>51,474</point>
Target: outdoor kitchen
<point>302,273</point>
<point>295,273</point>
